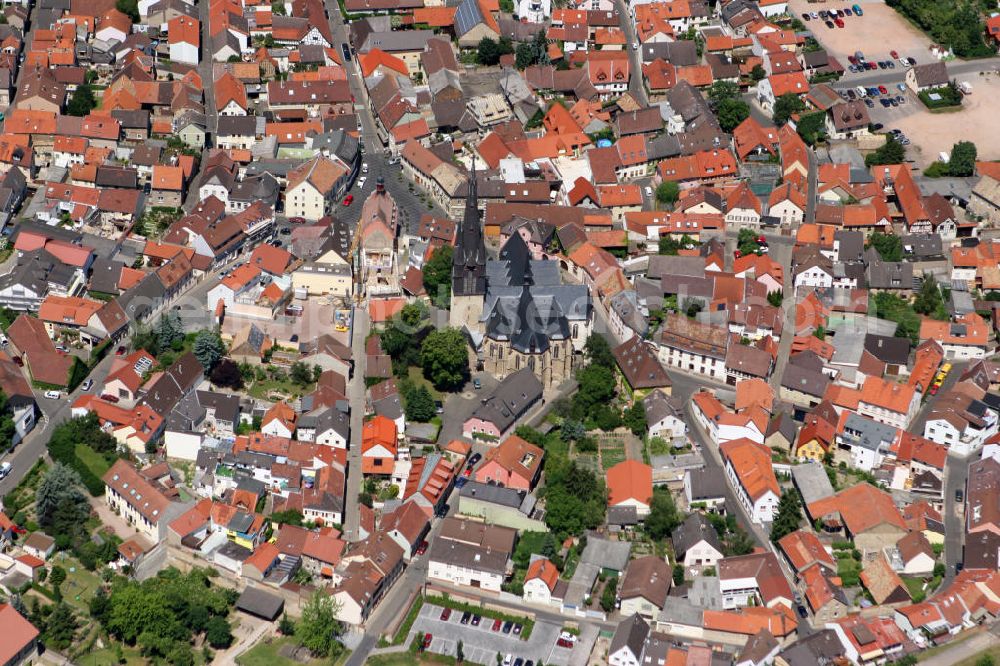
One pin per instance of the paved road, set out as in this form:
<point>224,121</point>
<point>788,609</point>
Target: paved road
<point>409,203</point>
<point>356,398</point>
<point>964,650</point>
<point>54,412</point>
<point>205,71</point>
<point>635,82</point>
<point>892,76</point>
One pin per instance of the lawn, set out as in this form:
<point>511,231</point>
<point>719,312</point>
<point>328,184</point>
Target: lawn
<point>407,659</point>
<point>92,460</point>
<point>416,376</point>
<point>107,657</point>
<point>80,584</point>
<point>915,587</point>
<point>266,653</point>
<point>993,652</point>
<point>611,457</point>
<point>263,388</point>
<point>848,569</point>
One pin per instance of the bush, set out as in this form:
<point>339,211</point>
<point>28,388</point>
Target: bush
<point>948,95</point>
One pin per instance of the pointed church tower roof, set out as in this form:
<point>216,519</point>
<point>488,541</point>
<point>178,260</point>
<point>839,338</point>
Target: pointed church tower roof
<point>468,275</point>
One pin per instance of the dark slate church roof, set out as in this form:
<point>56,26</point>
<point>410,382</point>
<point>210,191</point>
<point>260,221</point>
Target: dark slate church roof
<point>468,273</point>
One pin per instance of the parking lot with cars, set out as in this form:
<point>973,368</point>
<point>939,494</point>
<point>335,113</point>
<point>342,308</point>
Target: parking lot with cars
<point>483,638</point>
<point>863,31</point>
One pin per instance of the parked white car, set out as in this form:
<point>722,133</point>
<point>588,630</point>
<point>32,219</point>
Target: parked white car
<point>53,395</point>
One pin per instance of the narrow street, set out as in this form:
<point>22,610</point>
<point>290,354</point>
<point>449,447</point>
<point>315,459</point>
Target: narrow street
<point>635,82</point>
<point>356,398</point>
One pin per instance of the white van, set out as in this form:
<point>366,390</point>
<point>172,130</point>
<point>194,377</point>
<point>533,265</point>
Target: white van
<point>862,93</point>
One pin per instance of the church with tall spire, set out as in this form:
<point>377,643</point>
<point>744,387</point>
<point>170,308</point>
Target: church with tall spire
<point>468,269</point>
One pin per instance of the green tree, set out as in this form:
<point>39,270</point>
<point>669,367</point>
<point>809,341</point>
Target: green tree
<point>82,102</point>
<point>746,242</point>
<point>58,575</point>
<point>663,515</point>
<point>786,106</point>
<point>60,627</point>
<point>757,73</point>
<point>634,419</point>
<point>525,55</point>
<point>572,430</point>
<point>731,113</point>
<point>598,351</point>
<point>489,51</point>
<point>419,404</point>
<point>413,314</point>
<point>208,348</point>
<point>60,503</point>
<point>445,359</point>
<point>678,574</point>
<point>775,298</point>
<point>723,90</point>
<point>891,152</point>
<point>669,245</point>
<point>300,373</point>
<point>608,595</point>
<point>285,626</point>
<point>596,386</point>
<point>287,517</point>
<point>319,627</point>
<point>130,8</point>
<point>888,246</point>
<point>667,192</point>
<point>963,159</point>
<point>437,275</point>
<point>218,633</point>
<point>928,300</point>
<point>168,331</point>
<point>788,517</point>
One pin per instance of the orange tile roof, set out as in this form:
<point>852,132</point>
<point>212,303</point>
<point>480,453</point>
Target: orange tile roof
<point>379,431</point>
<point>273,260</point>
<point>976,331</point>
<point>779,621</point>
<point>383,309</point>
<point>435,17</point>
<point>168,178</point>
<point>862,507</point>
<point>889,395</point>
<point>752,464</point>
<point>71,310</point>
<point>378,58</point>
<point>545,571</point>
<point>184,29</point>
<point>803,549</point>
<point>629,480</point>
<point>700,76</point>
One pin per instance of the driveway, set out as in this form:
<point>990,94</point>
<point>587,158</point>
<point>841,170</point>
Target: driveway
<point>481,644</point>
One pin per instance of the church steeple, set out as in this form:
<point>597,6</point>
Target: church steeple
<point>468,274</point>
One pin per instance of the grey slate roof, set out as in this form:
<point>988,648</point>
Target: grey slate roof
<point>706,484</point>
<point>631,633</point>
<point>510,400</point>
<point>693,531</point>
<point>812,482</point>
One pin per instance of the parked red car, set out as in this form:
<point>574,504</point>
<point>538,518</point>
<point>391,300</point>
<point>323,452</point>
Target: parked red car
<point>349,199</point>
<point>297,220</point>
<point>421,549</point>
<point>107,397</point>
<point>894,54</point>
<point>445,614</point>
<point>497,624</point>
<point>839,22</point>
<point>427,640</point>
